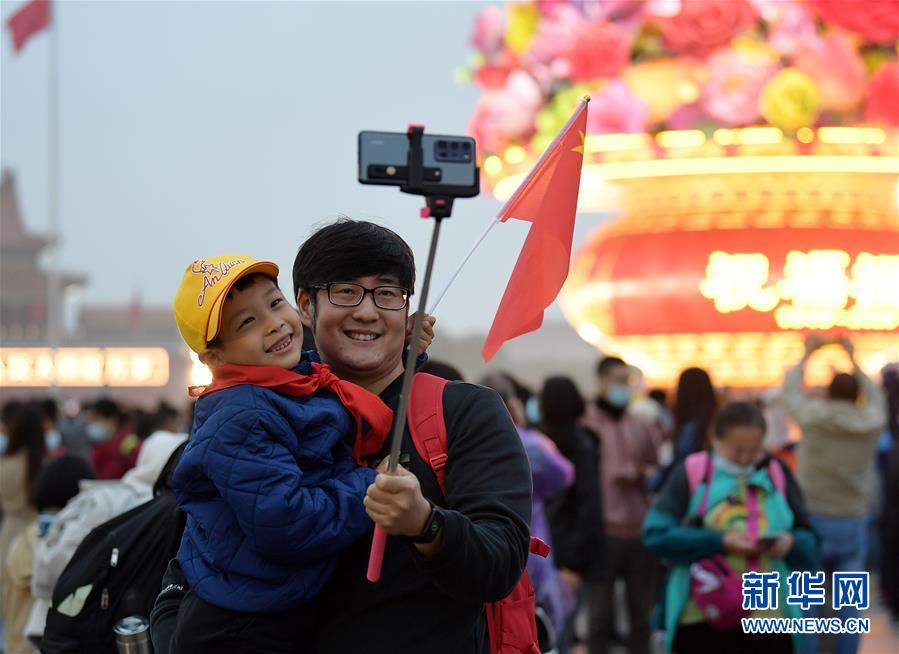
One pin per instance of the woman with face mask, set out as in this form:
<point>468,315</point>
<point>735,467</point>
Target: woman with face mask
<point>19,467</point>
<point>740,509</point>
<point>106,429</point>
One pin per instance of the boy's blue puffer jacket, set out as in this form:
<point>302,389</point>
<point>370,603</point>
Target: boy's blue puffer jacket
<point>272,495</point>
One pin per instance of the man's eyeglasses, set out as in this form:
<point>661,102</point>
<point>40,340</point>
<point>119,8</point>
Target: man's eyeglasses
<point>345,294</point>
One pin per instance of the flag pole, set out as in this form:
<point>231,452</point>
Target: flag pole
<point>54,309</point>
<point>462,263</point>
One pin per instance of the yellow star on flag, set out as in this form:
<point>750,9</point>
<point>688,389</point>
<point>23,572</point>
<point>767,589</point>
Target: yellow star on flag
<point>580,148</point>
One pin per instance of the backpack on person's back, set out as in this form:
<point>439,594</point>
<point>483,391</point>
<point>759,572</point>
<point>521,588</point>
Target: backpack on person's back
<point>115,573</point>
<point>511,622</point>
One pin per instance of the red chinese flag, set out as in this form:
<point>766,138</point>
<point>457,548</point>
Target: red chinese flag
<point>28,21</point>
<point>548,199</point>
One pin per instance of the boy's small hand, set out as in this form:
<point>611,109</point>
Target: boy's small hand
<point>395,502</point>
<point>782,546</point>
<point>427,332</point>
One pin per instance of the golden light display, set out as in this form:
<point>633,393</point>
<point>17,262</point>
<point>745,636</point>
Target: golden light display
<point>728,265</point>
<point>84,367</point>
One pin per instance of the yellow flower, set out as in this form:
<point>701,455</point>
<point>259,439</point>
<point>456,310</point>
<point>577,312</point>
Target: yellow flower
<point>790,100</point>
<point>521,26</point>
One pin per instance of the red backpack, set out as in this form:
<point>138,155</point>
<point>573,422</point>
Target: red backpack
<point>511,622</point>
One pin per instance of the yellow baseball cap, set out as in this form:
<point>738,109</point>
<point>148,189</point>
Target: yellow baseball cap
<point>201,297</point>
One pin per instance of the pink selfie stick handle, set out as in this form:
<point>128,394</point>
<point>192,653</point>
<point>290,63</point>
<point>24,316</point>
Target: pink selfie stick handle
<point>377,554</point>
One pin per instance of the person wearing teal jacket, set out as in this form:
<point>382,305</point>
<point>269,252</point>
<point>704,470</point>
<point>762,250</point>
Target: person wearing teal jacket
<point>672,530</point>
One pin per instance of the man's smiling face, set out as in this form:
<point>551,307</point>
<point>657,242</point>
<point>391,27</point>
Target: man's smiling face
<point>362,344</point>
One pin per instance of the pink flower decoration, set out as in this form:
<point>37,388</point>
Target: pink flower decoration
<point>489,31</point>
<point>493,75</point>
<point>615,110</point>
<point>883,96</point>
<point>838,70</point>
<point>506,113</point>
<point>685,117</point>
<point>600,49</point>
<point>876,21</point>
<point>735,82</point>
<point>790,26</point>
<point>556,33</point>
<point>705,25</point>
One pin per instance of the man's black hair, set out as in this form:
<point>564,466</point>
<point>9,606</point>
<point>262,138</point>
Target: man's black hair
<point>347,249</point>
<point>843,387</point>
<point>441,369</point>
<point>739,414</point>
<point>108,409</point>
<point>606,364</point>
<point>57,483</point>
<point>49,409</point>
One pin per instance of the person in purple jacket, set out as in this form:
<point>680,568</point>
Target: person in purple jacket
<point>551,472</point>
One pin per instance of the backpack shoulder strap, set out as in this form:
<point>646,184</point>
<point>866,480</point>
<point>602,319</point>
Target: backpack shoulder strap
<point>696,465</point>
<point>776,473</point>
<point>426,425</point>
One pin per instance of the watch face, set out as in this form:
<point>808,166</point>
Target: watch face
<point>432,528</point>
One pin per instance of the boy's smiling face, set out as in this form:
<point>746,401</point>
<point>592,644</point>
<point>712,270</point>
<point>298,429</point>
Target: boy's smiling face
<point>258,328</point>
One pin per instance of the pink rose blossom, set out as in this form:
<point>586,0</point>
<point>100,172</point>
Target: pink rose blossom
<point>601,49</point>
<point>790,27</point>
<point>735,82</point>
<point>876,21</point>
<point>702,26</point>
<point>489,31</point>
<point>883,96</point>
<point>614,109</point>
<point>556,33</point>
<point>506,113</point>
<point>836,67</point>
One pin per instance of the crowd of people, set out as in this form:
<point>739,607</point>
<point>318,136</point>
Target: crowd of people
<point>647,503</point>
<point>62,473</point>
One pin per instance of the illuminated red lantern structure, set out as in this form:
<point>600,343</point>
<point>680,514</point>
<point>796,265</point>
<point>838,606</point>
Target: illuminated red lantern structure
<point>728,265</point>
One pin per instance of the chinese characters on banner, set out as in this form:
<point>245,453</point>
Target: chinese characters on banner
<point>819,289</point>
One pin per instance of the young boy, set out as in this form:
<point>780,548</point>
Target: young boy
<point>268,479</point>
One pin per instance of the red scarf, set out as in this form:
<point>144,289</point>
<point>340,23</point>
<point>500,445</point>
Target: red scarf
<point>361,403</point>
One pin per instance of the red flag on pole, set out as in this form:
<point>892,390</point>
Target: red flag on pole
<point>28,21</point>
<point>548,199</point>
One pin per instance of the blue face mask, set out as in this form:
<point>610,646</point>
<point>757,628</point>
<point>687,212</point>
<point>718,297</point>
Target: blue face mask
<point>619,396</point>
<point>44,520</point>
<point>53,439</point>
<point>96,433</point>
<point>3,443</point>
<point>532,411</point>
<point>729,467</point>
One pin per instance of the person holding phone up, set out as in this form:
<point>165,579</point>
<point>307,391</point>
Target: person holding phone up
<point>718,515</point>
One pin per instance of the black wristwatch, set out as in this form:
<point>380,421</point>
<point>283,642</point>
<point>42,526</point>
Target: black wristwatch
<point>432,527</point>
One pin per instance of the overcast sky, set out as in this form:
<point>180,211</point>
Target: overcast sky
<point>191,129</point>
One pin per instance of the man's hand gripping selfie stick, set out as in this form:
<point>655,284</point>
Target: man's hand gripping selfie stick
<point>438,207</point>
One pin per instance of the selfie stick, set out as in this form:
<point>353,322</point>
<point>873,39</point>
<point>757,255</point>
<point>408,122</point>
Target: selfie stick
<point>438,208</point>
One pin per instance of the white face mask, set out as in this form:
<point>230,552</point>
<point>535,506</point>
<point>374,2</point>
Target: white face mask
<point>729,467</point>
<point>96,433</point>
<point>54,440</point>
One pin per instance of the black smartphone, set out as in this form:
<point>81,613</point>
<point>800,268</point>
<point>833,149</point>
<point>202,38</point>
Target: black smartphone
<point>769,540</point>
<point>450,162</point>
